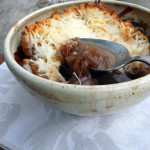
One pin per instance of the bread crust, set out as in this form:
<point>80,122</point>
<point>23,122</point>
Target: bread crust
<point>31,29</point>
<point>125,28</point>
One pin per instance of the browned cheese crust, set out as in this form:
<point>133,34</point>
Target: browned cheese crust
<point>30,30</point>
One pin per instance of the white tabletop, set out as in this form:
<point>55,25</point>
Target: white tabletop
<point>26,123</point>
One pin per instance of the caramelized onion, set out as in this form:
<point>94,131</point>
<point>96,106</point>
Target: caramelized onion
<point>80,56</point>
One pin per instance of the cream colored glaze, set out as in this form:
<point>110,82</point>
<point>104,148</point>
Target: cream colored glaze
<point>77,99</point>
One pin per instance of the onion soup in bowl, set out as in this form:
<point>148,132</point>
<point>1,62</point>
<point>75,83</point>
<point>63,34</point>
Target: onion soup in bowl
<point>41,41</point>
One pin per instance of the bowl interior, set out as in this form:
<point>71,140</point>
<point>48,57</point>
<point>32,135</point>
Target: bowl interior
<point>138,15</point>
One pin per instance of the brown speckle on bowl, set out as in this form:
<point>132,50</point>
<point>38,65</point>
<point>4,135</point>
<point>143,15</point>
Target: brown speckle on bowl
<point>15,26</point>
<point>93,110</point>
<point>135,87</point>
<point>109,106</point>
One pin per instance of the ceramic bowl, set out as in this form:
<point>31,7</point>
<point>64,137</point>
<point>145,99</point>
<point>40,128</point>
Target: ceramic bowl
<point>78,99</point>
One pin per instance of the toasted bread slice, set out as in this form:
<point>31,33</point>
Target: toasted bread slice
<point>41,41</point>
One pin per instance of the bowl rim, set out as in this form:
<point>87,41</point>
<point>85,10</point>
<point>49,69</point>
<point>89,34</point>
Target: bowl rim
<point>13,65</point>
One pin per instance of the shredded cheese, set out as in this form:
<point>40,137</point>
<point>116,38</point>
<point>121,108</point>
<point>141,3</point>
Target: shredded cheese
<point>83,23</point>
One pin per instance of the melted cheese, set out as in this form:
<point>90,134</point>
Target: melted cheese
<point>93,23</point>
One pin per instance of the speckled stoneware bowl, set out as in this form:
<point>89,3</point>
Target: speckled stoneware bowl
<point>78,99</point>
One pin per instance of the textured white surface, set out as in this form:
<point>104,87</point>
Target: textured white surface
<point>28,124</point>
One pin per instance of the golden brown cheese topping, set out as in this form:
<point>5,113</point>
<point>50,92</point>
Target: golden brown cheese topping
<point>41,42</point>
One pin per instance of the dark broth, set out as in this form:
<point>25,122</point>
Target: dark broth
<point>74,60</point>
<point>97,78</point>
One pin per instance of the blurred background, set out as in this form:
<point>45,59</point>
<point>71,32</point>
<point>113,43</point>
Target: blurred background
<point>13,10</point>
